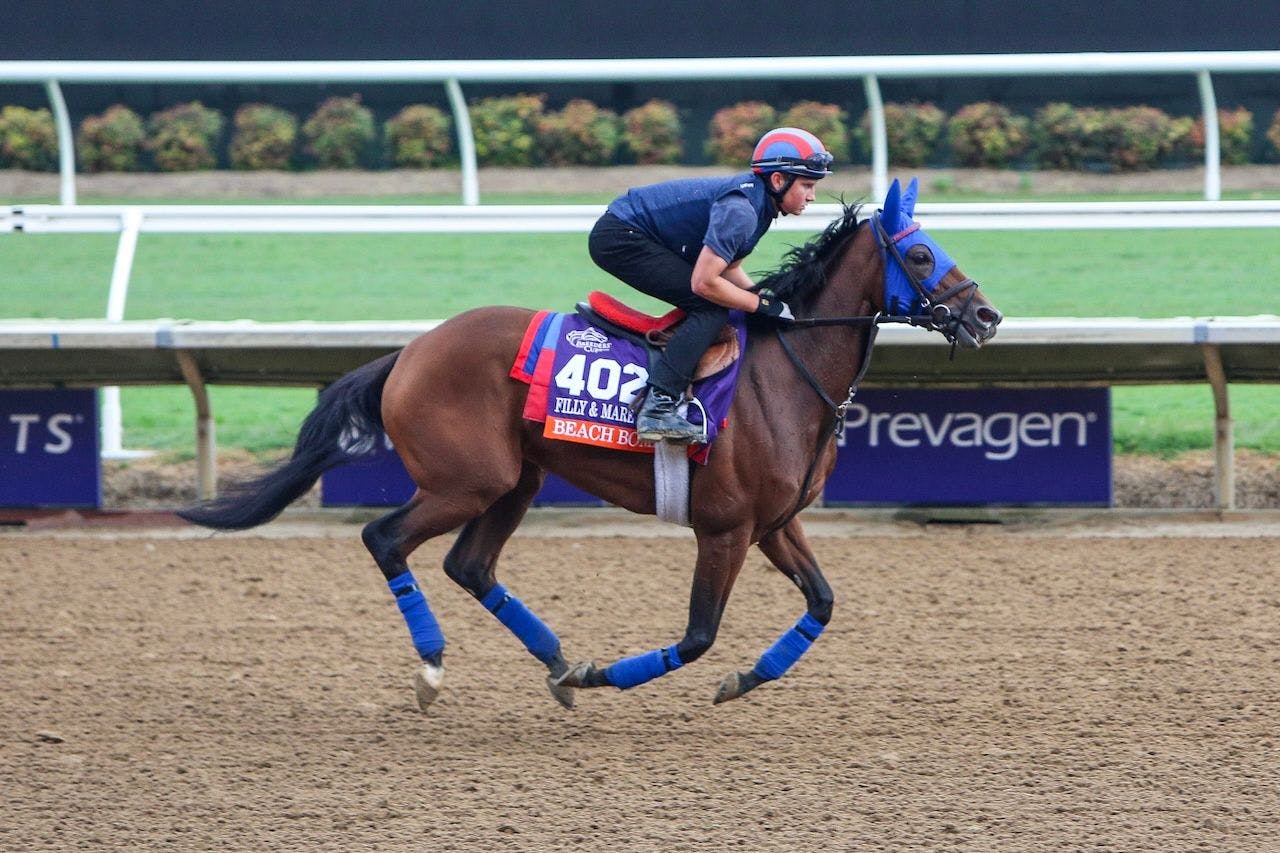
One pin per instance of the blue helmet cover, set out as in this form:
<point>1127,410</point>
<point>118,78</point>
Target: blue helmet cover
<point>896,217</point>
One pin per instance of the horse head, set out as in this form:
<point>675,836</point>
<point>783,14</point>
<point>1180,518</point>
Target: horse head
<point>921,281</point>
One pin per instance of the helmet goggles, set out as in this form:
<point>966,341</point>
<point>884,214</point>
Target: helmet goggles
<point>816,165</point>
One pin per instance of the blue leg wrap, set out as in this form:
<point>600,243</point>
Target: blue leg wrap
<point>783,654</point>
<point>540,640</point>
<point>631,671</point>
<point>428,639</point>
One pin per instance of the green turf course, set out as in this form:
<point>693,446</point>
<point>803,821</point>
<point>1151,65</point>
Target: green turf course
<point>429,276</point>
<point>1149,273</point>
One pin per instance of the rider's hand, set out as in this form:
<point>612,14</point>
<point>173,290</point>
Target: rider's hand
<point>771,306</point>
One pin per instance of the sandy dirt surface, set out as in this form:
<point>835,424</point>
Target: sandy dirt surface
<point>980,688</point>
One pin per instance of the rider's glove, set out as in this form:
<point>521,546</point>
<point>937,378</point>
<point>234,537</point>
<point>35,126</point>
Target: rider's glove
<point>771,306</point>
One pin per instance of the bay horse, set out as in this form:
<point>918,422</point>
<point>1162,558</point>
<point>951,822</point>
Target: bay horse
<point>455,419</point>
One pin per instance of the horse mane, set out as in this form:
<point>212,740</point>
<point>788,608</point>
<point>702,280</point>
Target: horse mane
<point>803,271</point>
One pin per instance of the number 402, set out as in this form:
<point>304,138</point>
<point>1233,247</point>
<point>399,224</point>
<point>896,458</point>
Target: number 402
<point>603,380</point>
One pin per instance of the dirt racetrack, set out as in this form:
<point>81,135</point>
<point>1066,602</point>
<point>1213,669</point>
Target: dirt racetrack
<point>980,688</point>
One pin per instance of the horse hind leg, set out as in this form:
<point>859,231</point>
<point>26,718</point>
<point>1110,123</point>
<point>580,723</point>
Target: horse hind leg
<point>472,564</point>
<point>390,540</point>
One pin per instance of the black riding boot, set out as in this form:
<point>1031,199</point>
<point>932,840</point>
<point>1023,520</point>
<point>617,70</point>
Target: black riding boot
<point>658,420</point>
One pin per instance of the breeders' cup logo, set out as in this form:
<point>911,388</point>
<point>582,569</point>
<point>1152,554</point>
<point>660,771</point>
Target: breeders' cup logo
<point>589,339</point>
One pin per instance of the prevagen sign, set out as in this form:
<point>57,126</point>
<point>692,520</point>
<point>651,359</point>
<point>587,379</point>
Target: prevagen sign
<point>983,446</point>
<point>49,449</point>
<point>380,480</point>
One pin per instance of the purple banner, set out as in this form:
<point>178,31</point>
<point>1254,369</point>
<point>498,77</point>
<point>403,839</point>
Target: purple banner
<point>983,446</point>
<point>380,480</point>
<point>49,449</point>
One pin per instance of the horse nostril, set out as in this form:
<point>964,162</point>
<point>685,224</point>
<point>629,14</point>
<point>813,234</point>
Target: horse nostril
<point>988,315</point>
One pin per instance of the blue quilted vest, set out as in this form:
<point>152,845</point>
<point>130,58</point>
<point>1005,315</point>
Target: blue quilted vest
<point>676,213</point>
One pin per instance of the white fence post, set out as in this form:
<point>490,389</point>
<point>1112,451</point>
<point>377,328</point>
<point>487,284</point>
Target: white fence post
<point>466,142</point>
<point>879,138</point>
<point>1212,138</point>
<point>112,413</point>
<point>66,143</point>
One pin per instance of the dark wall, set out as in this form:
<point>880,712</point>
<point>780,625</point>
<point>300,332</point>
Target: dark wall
<point>401,29</point>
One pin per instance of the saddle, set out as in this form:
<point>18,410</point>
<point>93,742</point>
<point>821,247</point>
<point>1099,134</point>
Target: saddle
<point>653,333</point>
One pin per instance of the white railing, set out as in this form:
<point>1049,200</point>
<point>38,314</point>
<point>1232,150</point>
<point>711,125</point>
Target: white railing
<point>452,74</point>
<point>548,218</point>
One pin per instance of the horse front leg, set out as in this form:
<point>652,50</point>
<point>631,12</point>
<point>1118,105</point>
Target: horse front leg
<point>788,550</point>
<point>720,559</point>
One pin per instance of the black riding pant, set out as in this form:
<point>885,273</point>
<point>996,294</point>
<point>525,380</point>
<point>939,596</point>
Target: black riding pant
<point>653,269</point>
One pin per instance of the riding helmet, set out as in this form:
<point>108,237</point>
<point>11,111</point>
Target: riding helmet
<point>793,151</point>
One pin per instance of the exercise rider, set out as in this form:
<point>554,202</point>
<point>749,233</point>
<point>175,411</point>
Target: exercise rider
<point>683,242</point>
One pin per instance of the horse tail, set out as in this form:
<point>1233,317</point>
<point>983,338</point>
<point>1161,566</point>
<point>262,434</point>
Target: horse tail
<point>346,424</point>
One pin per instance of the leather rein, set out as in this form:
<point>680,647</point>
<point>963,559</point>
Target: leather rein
<point>935,315</point>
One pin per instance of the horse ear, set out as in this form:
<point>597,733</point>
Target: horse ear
<point>892,204</point>
<point>909,198</point>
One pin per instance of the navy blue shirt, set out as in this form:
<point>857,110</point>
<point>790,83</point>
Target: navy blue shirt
<point>729,215</point>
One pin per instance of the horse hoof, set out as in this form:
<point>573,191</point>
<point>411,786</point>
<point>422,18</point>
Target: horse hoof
<point>734,685</point>
<point>426,684</point>
<point>561,693</point>
<point>579,675</point>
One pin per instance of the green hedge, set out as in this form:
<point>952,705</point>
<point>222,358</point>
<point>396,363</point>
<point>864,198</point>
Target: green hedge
<point>28,139</point>
<point>522,130</point>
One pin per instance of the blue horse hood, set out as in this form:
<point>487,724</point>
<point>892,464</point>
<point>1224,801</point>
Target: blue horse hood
<point>897,218</point>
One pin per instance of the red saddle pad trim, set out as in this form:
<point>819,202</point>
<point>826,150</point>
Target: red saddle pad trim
<point>621,314</point>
